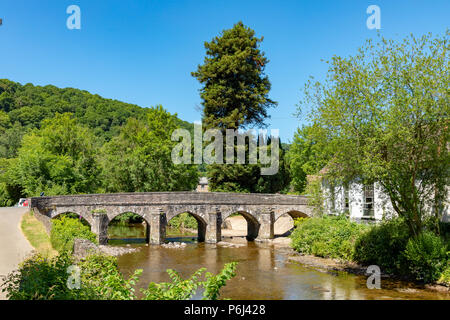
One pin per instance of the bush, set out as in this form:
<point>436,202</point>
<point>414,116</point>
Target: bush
<point>180,289</point>
<point>445,276</point>
<point>40,278</point>
<point>426,256</point>
<point>330,237</point>
<point>102,280</point>
<point>65,230</point>
<point>383,246</point>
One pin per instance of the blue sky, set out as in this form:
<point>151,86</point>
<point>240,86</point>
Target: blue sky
<point>143,52</point>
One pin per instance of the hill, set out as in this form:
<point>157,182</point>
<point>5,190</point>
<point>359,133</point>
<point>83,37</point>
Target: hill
<point>28,105</point>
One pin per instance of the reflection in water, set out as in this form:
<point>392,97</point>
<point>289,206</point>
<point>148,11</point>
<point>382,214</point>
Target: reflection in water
<point>119,233</point>
<point>262,273</point>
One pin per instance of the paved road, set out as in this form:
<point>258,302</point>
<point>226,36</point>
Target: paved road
<point>14,247</point>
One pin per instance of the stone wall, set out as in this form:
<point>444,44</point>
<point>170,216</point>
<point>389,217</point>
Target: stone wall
<point>44,219</point>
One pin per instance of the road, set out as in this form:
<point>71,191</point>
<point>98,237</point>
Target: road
<point>14,247</point>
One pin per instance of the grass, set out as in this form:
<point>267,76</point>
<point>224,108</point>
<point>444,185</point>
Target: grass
<point>35,232</point>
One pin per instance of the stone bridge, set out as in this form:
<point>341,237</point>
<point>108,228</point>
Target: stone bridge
<point>210,209</point>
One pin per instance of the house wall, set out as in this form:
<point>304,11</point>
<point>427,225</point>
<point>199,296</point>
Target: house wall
<point>382,204</point>
<point>356,200</point>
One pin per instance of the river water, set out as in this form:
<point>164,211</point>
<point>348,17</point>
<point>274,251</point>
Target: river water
<point>263,271</point>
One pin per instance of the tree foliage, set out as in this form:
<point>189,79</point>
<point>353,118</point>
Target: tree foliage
<point>139,158</point>
<point>235,96</point>
<point>55,141</point>
<point>306,156</point>
<point>384,113</point>
<point>64,232</point>
<point>247,178</point>
<point>235,88</point>
<point>59,158</point>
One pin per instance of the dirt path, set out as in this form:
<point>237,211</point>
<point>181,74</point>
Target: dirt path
<point>14,247</point>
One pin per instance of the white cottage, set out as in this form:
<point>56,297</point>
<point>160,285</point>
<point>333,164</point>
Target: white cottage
<point>362,202</point>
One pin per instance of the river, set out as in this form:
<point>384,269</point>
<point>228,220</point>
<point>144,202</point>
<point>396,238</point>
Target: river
<point>263,271</point>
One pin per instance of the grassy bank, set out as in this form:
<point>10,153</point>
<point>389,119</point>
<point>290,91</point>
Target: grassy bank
<point>35,233</point>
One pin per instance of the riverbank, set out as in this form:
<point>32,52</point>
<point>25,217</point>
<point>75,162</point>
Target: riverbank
<point>333,265</point>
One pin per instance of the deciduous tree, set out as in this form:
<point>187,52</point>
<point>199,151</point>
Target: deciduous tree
<point>384,113</point>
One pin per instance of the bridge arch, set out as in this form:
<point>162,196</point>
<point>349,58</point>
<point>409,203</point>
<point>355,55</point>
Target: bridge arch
<point>284,222</point>
<point>294,214</point>
<point>112,213</point>
<point>85,219</point>
<point>253,224</point>
<point>136,233</point>
<point>201,223</point>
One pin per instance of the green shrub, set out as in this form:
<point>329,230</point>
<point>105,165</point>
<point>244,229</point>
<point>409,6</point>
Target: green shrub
<point>445,275</point>
<point>383,245</point>
<point>330,237</point>
<point>183,221</point>
<point>426,256</point>
<point>102,280</point>
<point>180,289</point>
<point>65,230</point>
<point>214,283</point>
<point>40,278</point>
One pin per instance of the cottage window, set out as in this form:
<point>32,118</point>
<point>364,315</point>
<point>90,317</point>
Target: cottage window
<point>368,201</point>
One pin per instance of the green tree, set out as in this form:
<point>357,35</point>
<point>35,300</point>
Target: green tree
<point>29,105</point>
<point>235,96</point>
<point>64,232</point>
<point>235,88</point>
<point>10,140</point>
<point>384,113</point>
<point>247,178</point>
<point>10,185</point>
<point>139,159</point>
<point>60,158</point>
<point>306,156</point>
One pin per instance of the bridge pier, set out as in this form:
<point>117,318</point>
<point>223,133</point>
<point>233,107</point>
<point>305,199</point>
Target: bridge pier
<point>157,227</point>
<point>100,226</point>
<point>214,227</point>
<point>147,232</point>
<point>267,222</point>
<point>253,228</point>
